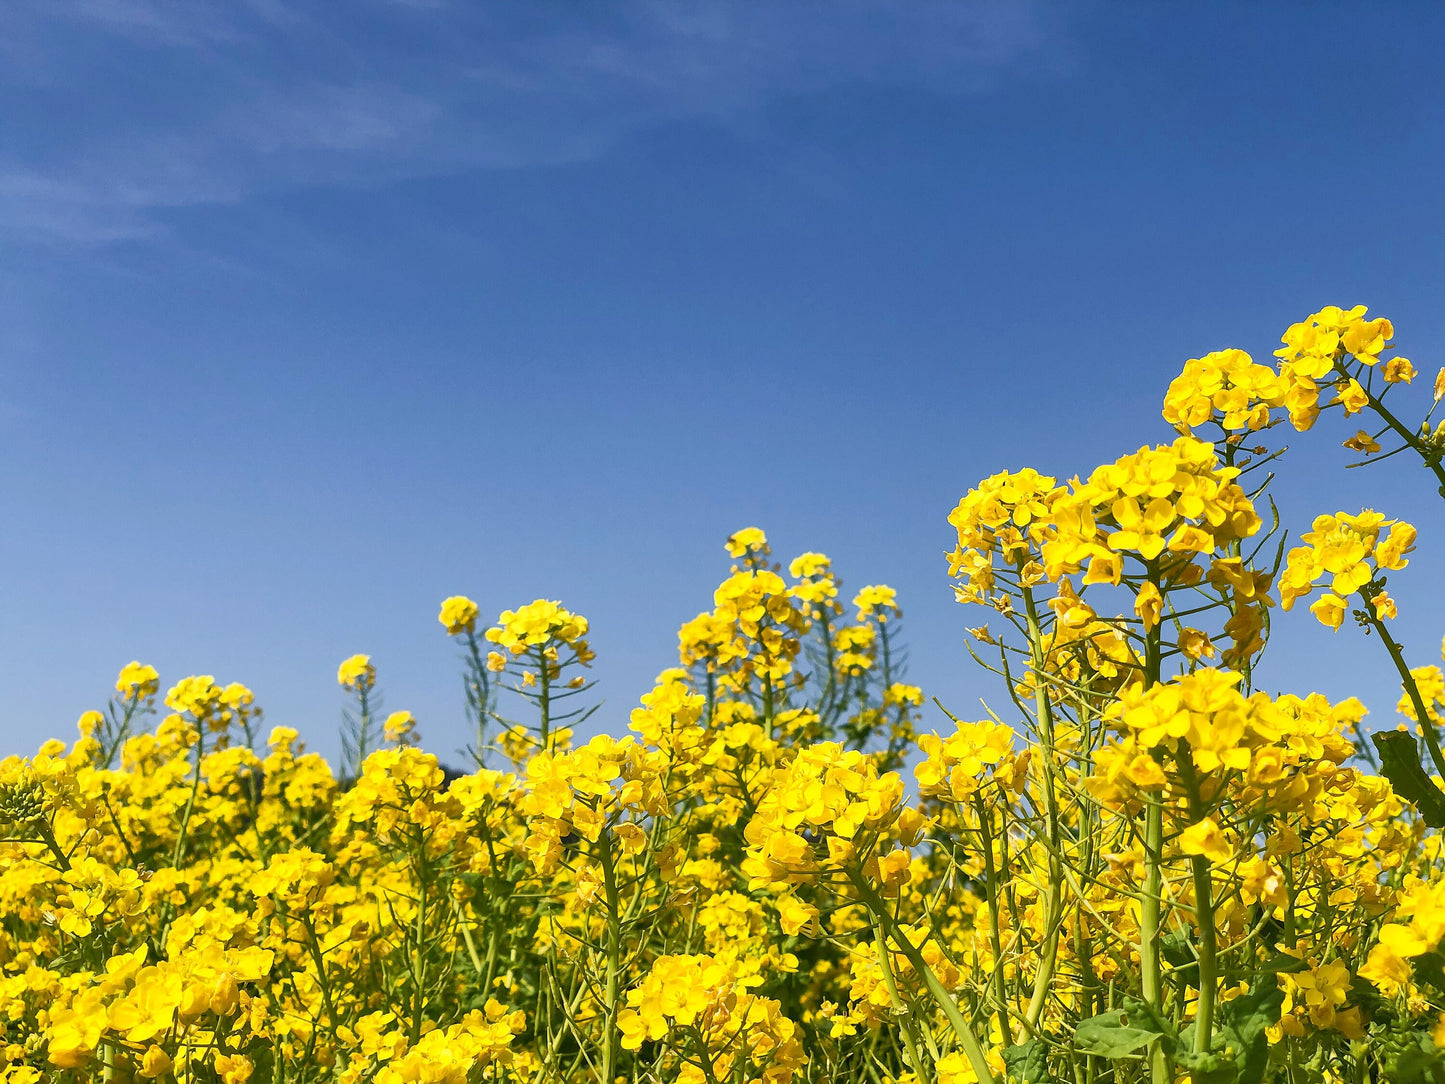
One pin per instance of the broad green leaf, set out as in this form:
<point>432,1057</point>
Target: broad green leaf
<point>1028,1063</point>
<point>1418,1063</point>
<point>1430,967</point>
<point>1244,1021</point>
<point>1400,761</point>
<point>1115,1034</point>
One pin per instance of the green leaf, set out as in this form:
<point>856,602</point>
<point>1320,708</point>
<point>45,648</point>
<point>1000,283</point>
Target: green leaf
<point>1028,1063</point>
<point>1282,961</point>
<point>1418,1063</point>
<point>1430,967</point>
<point>1400,761</point>
<point>1208,1068</point>
<point>1177,948</point>
<point>1115,1034</point>
<point>1244,1021</point>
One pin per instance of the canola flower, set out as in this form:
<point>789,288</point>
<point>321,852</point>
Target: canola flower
<point>1141,866</point>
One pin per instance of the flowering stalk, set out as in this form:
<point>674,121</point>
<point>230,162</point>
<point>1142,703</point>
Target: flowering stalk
<point>1151,977</point>
<point>962,1031</point>
<point>1053,885</point>
<point>904,1011</point>
<point>191,798</point>
<point>1208,952</point>
<point>614,957</point>
<point>478,695</point>
<point>991,888</point>
<point>1407,679</point>
<point>1430,455</point>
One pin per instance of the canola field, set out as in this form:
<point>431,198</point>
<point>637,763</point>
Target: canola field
<point>1145,868</point>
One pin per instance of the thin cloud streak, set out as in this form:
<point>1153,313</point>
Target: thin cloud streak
<point>245,100</point>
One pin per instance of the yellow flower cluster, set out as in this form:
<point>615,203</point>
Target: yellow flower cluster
<point>1314,349</point>
<point>458,615</point>
<point>357,672</point>
<point>825,811</point>
<point>969,762</point>
<point>732,1032</point>
<point>1226,387</point>
<point>1141,867</point>
<point>535,625</point>
<point>1352,552</point>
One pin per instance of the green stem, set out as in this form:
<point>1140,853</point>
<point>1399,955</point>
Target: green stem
<point>418,966</point>
<point>1430,456</point>
<point>905,1014</point>
<point>1151,978</point>
<point>1203,913</point>
<point>1053,891</point>
<point>47,836</point>
<point>1150,965</point>
<point>614,959</point>
<point>991,888</point>
<point>768,705</point>
<point>191,801</point>
<point>972,1049</point>
<point>544,696</point>
<point>480,694</point>
<point>1427,728</point>
<point>314,950</point>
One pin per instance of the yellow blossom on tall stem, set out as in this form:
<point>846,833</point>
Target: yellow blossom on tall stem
<point>1134,864</point>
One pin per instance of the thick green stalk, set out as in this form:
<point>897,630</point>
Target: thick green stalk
<point>544,695</point>
<point>191,801</point>
<point>1208,955</point>
<point>1410,437</point>
<point>1053,890</point>
<point>1412,690</point>
<point>905,1014</point>
<point>418,965</point>
<point>972,1048</point>
<point>614,960</point>
<point>1151,978</point>
<point>480,688</point>
<point>991,887</point>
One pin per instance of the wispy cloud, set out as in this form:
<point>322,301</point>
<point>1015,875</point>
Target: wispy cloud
<point>133,107</point>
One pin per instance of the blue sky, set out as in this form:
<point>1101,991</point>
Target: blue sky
<point>316,313</point>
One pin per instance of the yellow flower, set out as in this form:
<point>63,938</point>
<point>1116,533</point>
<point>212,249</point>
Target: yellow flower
<point>537,625</point>
<point>197,696</point>
<point>1149,605</point>
<point>137,681</point>
<point>1362,442</point>
<point>1366,338</point>
<point>74,1030</point>
<point>1330,610</point>
<point>1384,606</point>
<point>1399,370</point>
<point>155,1062</point>
<point>807,565</point>
<point>1352,397</point>
<point>88,723</point>
<point>1390,554</point>
<point>794,915</point>
<point>356,673</point>
<point>1205,838</point>
<point>1195,644</point>
<point>458,614</point>
<point>1227,387</point>
<point>750,540</point>
<point>879,601</point>
<point>234,1068</point>
<point>400,727</point>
